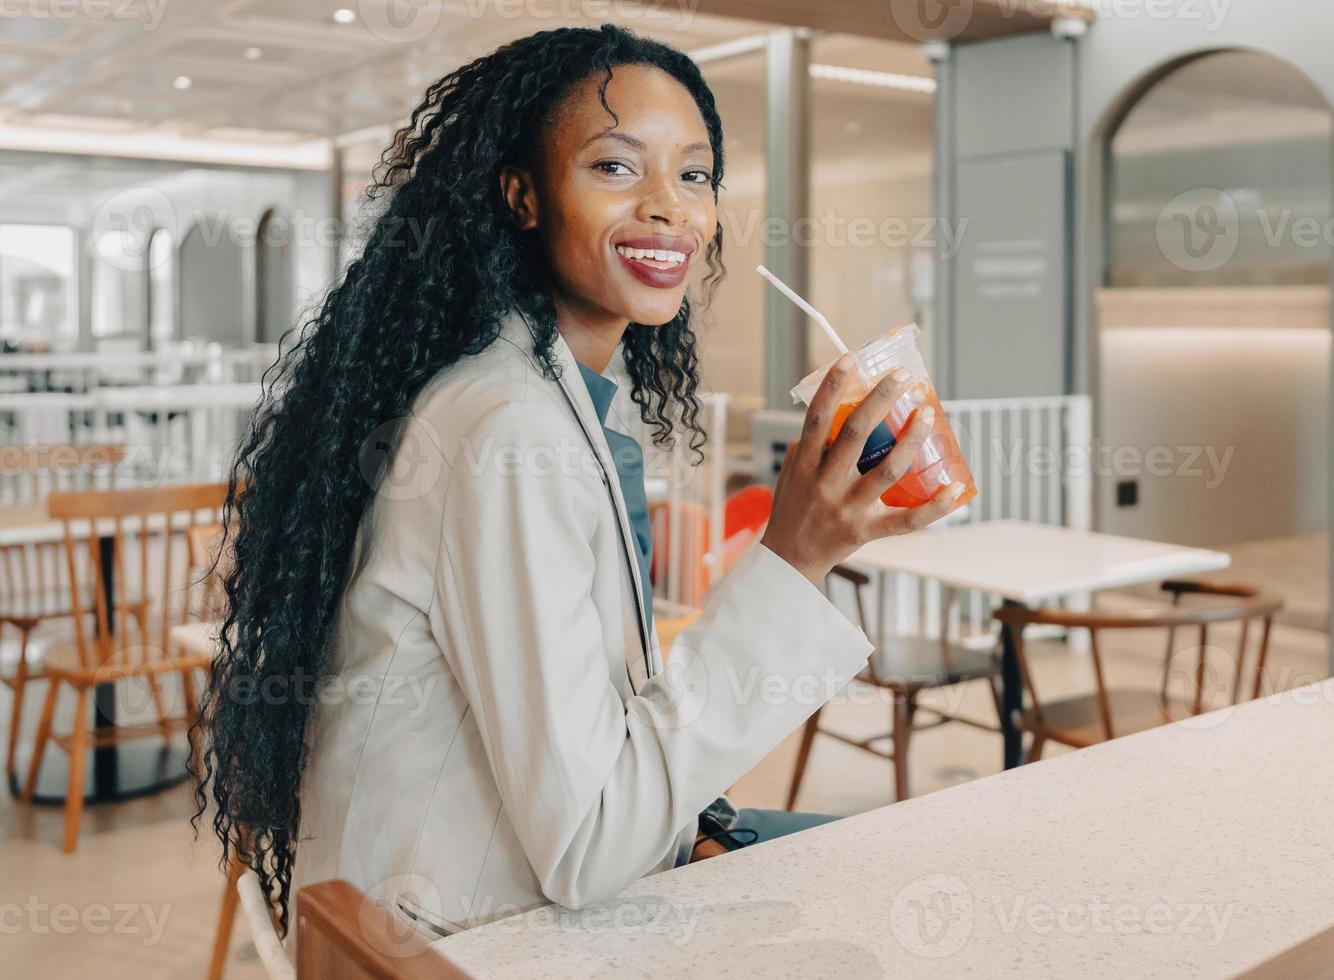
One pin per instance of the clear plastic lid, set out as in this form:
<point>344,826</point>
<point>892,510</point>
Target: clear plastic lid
<point>896,348</point>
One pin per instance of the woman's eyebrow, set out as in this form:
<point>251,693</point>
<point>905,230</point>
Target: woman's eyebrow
<point>636,142</point>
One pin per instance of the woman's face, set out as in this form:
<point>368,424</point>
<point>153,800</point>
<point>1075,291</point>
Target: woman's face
<point>625,209</point>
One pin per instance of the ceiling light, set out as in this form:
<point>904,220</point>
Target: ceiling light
<point>877,79</point>
<point>344,16</point>
<point>252,54</point>
<point>182,82</point>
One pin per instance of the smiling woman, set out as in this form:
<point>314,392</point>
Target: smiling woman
<point>433,514</point>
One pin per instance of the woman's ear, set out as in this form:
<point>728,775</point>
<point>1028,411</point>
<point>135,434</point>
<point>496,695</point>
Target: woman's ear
<point>520,194</point>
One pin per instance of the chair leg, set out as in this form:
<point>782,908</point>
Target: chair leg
<point>160,705</point>
<point>222,938</point>
<point>15,721</point>
<point>903,712</point>
<point>1035,750</point>
<point>803,753</point>
<point>43,736</point>
<point>78,761</point>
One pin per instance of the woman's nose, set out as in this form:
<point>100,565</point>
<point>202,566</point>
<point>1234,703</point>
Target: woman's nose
<point>664,202</point>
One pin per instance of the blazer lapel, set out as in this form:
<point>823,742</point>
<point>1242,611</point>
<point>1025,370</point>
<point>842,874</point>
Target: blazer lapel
<point>516,328</point>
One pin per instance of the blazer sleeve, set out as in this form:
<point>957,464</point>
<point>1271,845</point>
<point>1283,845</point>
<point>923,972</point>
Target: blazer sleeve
<point>598,788</point>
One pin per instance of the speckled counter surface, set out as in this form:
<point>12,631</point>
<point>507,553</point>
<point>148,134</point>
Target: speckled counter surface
<point>1196,850</point>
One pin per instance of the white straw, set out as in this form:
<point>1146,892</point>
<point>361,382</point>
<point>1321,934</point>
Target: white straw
<point>811,311</point>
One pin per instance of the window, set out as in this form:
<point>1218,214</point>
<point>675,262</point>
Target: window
<point>38,297</point>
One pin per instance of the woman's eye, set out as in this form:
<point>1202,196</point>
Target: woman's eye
<point>609,167</point>
<point>697,176</point>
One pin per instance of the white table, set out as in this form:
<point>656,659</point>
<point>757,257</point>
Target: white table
<point>1198,849</point>
<point>1029,564</point>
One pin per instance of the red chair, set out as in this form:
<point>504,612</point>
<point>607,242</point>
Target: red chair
<point>744,515</point>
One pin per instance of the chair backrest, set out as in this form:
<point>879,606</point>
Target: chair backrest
<point>152,588</point>
<point>210,568</point>
<point>342,933</point>
<point>747,510</point>
<point>33,579</point>
<point>679,551</point>
<point>1245,605</point>
<point>265,936</point>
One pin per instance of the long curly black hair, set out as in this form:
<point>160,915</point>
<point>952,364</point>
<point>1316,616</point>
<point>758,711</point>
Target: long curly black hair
<point>403,311</point>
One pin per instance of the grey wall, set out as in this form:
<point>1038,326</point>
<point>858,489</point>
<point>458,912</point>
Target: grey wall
<point>1033,94</point>
<point>1008,302</point>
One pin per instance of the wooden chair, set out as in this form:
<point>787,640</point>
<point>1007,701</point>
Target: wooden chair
<point>1088,719</point>
<point>33,585</point>
<point>339,933</point>
<point>904,666</point>
<point>115,652</point>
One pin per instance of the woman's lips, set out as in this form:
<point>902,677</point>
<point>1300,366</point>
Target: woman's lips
<point>665,273</point>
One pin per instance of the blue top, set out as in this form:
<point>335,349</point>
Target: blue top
<point>628,457</point>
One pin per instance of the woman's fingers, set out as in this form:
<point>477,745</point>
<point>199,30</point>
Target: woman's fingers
<point>892,468</point>
<point>861,422</point>
<point>820,414</point>
<point>896,521</point>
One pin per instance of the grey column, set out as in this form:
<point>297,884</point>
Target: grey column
<point>942,192</point>
<point>787,167</point>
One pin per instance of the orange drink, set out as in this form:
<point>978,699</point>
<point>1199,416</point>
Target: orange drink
<point>939,463</point>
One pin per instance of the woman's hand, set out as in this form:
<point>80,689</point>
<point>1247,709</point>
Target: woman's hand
<point>824,510</point>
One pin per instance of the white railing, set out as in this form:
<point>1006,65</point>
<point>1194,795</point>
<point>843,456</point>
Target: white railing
<point>172,433</point>
<point>85,371</point>
<point>1029,458</point>
<point>687,503</point>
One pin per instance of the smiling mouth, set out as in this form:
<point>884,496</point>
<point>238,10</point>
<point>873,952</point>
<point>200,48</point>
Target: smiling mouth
<point>657,258</point>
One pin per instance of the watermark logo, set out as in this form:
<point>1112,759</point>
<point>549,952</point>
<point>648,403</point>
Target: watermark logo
<point>932,20</point>
<point>1198,231</point>
<point>124,224</point>
<point>932,916</point>
<point>401,21</point>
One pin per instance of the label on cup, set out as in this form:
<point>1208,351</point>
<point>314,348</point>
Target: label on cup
<point>877,447</point>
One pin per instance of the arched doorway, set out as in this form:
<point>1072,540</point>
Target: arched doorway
<point>1212,347</point>
<point>273,277</point>
<point>211,281</point>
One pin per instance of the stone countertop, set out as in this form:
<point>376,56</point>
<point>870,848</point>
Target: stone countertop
<point>1195,850</point>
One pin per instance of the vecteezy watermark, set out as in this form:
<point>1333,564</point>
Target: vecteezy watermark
<point>945,20</point>
<point>936,915</point>
<point>125,223</point>
<point>146,12</point>
<point>1209,14</point>
<point>301,687</point>
<point>408,21</point>
<point>1201,229</point>
<point>1036,459</point>
<point>40,918</point>
<point>678,14</point>
<point>834,230</point>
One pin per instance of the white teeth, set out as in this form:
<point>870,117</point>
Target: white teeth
<point>656,254</point>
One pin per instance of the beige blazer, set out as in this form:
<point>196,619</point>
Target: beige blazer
<point>498,730</point>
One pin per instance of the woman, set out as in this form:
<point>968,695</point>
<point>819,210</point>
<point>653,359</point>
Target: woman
<point>439,672</point>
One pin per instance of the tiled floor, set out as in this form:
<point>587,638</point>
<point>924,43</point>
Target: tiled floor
<point>161,889</point>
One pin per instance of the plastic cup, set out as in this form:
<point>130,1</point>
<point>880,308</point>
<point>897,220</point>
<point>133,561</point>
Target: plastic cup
<point>940,462</point>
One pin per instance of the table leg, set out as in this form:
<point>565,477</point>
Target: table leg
<point>1012,697</point>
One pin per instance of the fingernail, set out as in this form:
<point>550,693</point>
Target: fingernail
<point>844,364</point>
<point>927,415</point>
<point>900,375</point>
